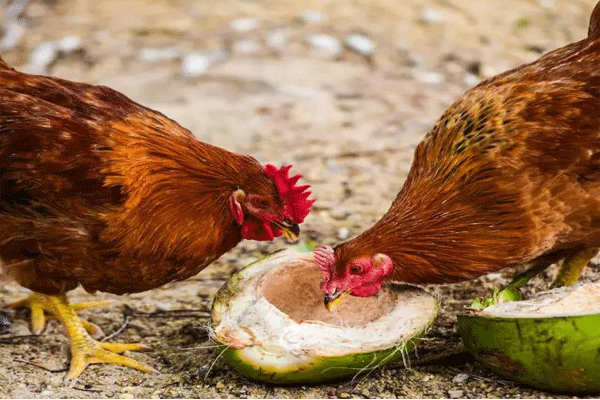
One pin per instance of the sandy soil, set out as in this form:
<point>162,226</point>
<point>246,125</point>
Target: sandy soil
<point>348,122</point>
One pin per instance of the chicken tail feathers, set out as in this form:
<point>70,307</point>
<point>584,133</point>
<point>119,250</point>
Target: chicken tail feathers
<point>594,29</point>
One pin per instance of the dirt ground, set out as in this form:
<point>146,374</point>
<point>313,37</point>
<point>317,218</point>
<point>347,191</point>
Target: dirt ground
<point>349,122</point>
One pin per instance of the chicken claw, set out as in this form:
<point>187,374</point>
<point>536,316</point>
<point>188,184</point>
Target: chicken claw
<point>39,306</point>
<point>84,349</point>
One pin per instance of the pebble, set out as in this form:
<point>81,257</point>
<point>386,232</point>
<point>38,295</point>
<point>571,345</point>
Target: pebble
<point>5,323</point>
<point>312,17</point>
<point>277,39</point>
<point>455,394</point>
<point>197,63</point>
<point>344,395</point>
<point>69,44</point>
<point>14,9</point>
<point>325,44</point>
<point>13,32</point>
<point>430,77</point>
<point>343,233</point>
<point>46,393</point>
<point>246,46</point>
<point>152,54</point>
<point>41,57</point>
<point>460,378</point>
<point>220,386</point>
<point>471,79</point>
<point>244,24</point>
<point>431,16</point>
<point>361,44</point>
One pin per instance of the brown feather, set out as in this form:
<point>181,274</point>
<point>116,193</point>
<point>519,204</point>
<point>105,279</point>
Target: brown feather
<point>510,174</point>
<point>98,190</point>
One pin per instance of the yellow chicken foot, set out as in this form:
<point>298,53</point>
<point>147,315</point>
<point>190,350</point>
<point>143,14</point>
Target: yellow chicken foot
<point>39,306</point>
<point>84,349</point>
<point>571,267</point>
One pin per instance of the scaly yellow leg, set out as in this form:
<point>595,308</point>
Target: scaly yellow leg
<point>571,268</point>
<point>39,307</point>
<point>84,349</point>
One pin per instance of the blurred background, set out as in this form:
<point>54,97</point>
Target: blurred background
<point>343,89</point>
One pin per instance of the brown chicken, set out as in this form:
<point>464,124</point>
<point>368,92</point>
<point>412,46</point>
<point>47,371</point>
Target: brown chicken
<point>98,191</point>
<point>509,175</point>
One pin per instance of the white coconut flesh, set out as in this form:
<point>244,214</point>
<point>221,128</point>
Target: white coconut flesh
<point>581,299</point>
<point>274,311</point>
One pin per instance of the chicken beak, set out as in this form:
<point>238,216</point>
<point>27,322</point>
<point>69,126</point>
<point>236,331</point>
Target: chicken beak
<point>290,231</point>
<point>334,299</point>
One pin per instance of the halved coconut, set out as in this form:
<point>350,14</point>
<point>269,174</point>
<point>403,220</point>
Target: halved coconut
<point>551,341</point>
<point>272,319</point>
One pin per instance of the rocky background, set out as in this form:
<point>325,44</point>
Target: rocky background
<point>342,89</point>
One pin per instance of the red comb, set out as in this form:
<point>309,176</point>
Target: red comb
<point>325,258</point>
<point>296,204</point>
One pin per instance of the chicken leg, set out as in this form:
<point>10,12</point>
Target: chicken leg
<point>39,306</point>
<point>569,273</point>
<point>84,349</point>
<point>571,268</point>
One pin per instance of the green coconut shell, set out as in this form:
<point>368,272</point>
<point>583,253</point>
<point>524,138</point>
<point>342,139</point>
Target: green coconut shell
<point>560,353</point>
<point>319,369</point>
<point>265,354</point>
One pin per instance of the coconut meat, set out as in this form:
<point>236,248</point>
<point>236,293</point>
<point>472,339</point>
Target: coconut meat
<point>277,305</point>
<point>581,299</point>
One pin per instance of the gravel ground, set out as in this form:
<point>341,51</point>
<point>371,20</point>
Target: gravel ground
<point>342,89</point>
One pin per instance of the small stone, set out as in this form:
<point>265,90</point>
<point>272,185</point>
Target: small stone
<point>429,77</point>
<point>220,386</point>
<point>431,16</point>
<point>361,44</point>
<point>151,54</point>
<point>277,39</point>
<point>69,44</point>
<point>246,46</point>
<point>46,393</point>
<point>5,323</point>
<point>41,57</point>
<point>196,64</point>
<point>460,378</point>
<point>471,79</point>
<point>13,32</point>
<point>455,394</point>
<point>344,395</point>
<point>325,44</point>
<point>164,306</point>
<point>343,233</point>
<point>244,24</point>
<point>312,17</point>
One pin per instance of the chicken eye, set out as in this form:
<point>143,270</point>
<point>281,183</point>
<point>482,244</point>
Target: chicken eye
<point>355,269</point>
